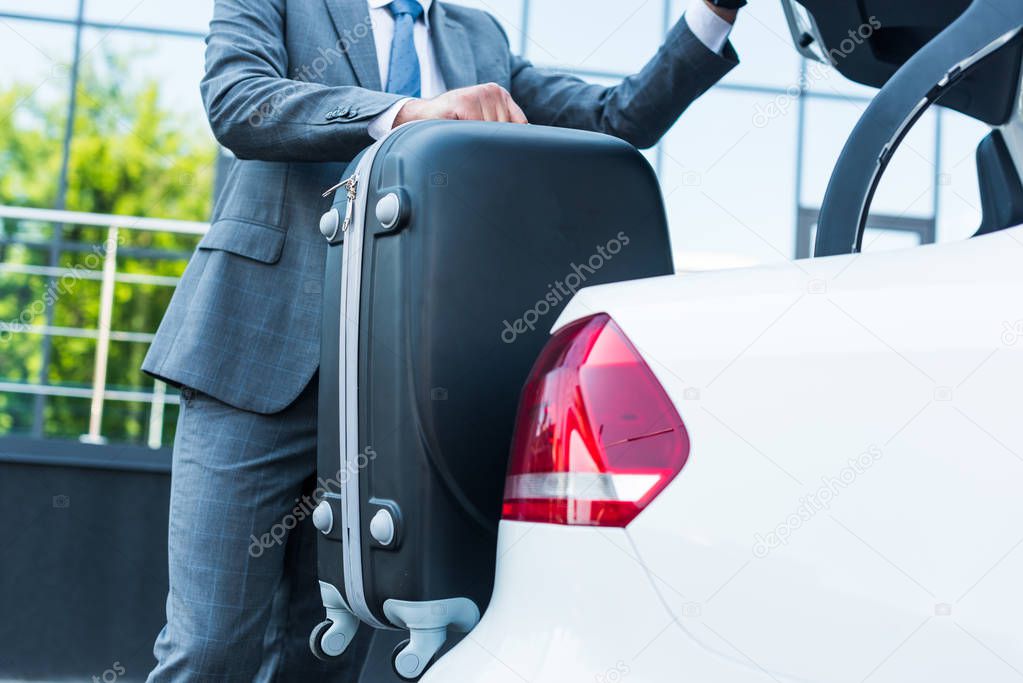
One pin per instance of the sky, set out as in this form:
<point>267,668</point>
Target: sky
<point>729,172</point>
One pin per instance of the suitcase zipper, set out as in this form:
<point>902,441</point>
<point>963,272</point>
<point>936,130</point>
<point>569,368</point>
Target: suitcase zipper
<point>354,588</point>
<point>351,185</point>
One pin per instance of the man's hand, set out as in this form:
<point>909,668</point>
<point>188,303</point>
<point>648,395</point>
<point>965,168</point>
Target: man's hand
<point>487,102</point>
<point>728,15</point>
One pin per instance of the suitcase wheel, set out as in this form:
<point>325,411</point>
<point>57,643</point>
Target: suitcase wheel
<point>427,624</point>
<point>327,646</point>
<point>405,667</point>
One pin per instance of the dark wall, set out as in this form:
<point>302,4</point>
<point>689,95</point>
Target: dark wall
<point>83,563</point>
<point>83,560</point>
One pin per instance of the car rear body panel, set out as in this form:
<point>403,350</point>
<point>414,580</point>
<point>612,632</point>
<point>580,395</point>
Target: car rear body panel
<point>577,604</point>
<point>855,459</point>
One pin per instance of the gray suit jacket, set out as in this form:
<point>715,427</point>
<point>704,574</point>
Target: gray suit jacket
<point>291,87</point>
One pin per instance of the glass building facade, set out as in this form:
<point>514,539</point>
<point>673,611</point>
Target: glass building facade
<point>100,114</point>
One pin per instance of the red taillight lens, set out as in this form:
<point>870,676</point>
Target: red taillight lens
<point>597,437</point>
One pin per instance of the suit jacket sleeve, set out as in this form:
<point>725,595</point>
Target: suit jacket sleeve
<point>642,108</point>
<point>257,112</point>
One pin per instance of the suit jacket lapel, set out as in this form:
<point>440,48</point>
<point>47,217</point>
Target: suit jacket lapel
<point>352,23</point>
<point>454,52</point>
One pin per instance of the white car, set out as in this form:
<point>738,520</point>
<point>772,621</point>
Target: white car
<point>806,472</point>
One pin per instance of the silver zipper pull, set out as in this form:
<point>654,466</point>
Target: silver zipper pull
<point>352,185</point>
<point>347,182</point>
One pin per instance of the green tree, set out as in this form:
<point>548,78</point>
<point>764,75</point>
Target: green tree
<point>130,156</point>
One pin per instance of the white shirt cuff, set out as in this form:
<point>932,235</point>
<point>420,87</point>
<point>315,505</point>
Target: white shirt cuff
<point>382,125</point>
<point>709,28</point>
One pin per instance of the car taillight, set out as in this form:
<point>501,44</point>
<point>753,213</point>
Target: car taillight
<point>597,437</point>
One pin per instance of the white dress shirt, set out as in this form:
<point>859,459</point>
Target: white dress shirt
<point>708,27</point>
<point>432,82</point>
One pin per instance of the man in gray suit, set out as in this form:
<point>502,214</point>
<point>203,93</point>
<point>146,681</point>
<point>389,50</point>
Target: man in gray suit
<point>295,89</point>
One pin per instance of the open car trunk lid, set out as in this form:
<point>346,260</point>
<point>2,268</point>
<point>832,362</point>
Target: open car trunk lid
<point>867,41</point>
<point>963,55</point>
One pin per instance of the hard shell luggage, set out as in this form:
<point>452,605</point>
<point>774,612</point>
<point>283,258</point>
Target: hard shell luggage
<point>453,248</point>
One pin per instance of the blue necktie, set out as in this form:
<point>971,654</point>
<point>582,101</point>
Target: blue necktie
<point>403,77</point>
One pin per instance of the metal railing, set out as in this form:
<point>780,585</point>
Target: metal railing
<point>108,276</point>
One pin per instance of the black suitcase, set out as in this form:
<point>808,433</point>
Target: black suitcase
<point>453,248</point>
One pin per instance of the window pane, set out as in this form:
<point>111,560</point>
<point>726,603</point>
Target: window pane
<point>508,13</point>
<point>187,15</point>
<point>75,297</point>
<point>21,308</point>
<point>730,194</point>
<point>64,9</point>
<point>617,36</point>
<point>16,412</point>
<point>907,188</point>
<point>123,421</point>
<point>24,243</point>
<point>142,144</point>
<point>33,115</point>
<point>958,187</point>
<point>33,110</point>
<point>825,79</point>
<point>828,124</point>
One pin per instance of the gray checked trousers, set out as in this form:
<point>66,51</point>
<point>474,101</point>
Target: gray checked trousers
<point>243,588</point>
